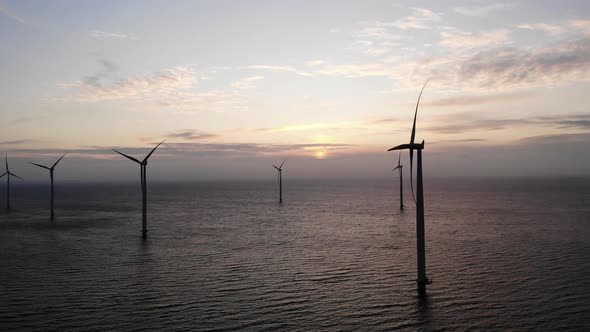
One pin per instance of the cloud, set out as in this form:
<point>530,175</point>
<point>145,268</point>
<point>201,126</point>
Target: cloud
<point>157,85</point>
<point>192,135</point>
<point>342,125</point>
<point>570,121</point>
<point>548,28</point>
<point>581,25</point>
<point>455,39</point>
<point>9,13</point>
<point>458,123</point>
<point>475,125</point>
<point>17,142</point>
<point>173,89</point>
<point>418,20</point>
<point>483,10</point>
<point>378,38</point>
<point>378,31</point>
<point>571,27</point>
<point>582,124</point>
<point>582,138</point>
<point>287,69</point>
<point>315,63</point>
<point>357,70</point>
<point>109,35</point>
<point>372,48</point>
<point>247,83</point>
<point>27,119</point>
<point>189,101</point>
<point>500,68</point>
<point>465,140</point>
<point>512,67</point>
<point>252,149</point>
<point>470,100</point>
<point>192,149</point>
<point>107,69</point>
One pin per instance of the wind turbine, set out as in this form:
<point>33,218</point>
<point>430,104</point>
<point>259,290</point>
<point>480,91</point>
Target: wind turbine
<point>422,280</point>
<point>280,170</point>
<point>8,173</point>
<point>51,176</point>
<point>400,168</point>
<point>143,168</point>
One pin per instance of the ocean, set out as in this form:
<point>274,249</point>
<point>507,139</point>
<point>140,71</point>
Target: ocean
<point>503,254</point>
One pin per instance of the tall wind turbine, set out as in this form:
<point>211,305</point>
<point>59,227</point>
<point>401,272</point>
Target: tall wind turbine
<point>51,176</point>
<point>143,168</point>
<point>280,173</point>
<point>419,199</point>
<point>400,168</point>
<point>8,173</point>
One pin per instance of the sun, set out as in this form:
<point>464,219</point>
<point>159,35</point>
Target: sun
<point>320,154</point>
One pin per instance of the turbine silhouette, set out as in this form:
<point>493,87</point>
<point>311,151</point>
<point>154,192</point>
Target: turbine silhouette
<point>143,178</point>
<point>8,173</point>
<point>422,280</point>
<point>52,217</point>
<point>280,174</point>
<point>400,168</point>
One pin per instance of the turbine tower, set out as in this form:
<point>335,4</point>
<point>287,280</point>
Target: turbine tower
<point>8,173</point>
<point>52,217</point>
<point>280,173</point>
<point>422,279</point>
<point>400,168</point>
<point>143,178</point>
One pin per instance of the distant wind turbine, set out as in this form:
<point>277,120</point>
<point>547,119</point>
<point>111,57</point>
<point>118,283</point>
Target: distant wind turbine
<point>422,279</point>
<point>280,173</point>
<point>143,178</point>
<point>400,168</point>
<point>51,176</point>
<point>8,173</point>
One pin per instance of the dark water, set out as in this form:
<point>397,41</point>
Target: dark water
<point>503,254</point>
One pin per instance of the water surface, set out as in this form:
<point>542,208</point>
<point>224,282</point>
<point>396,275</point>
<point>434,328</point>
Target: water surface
<point>337,255</point>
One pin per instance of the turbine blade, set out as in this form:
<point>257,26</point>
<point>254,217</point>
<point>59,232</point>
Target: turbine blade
<point>400,147</point>
<point>6,159</point>
<point>275,167</point>
<point>126,156</point>
<point>395,168</point>
<point>416,114</point>
<point>39,165</point>
<point>59,160</point>
<point>149,154</point>
<point>3,174</point>
<point>399,159</point>
<point>412,136</point>
<point>282,164</point>
<point>16,176</point>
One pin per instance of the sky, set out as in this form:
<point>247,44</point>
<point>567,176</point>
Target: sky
<point>235,86</point>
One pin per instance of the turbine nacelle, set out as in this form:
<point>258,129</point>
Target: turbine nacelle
<point>411,146</point>
<point>8,172</point>
<point>11,174</point>
<point>280,168</point>
<point>145,160</point>
<point>49,168</point>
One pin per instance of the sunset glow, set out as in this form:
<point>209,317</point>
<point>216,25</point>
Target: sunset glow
<point>506,80</point>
